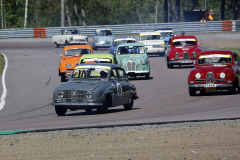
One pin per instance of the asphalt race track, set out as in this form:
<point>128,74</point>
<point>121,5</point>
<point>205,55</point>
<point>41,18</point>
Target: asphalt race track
<point>32,74</point>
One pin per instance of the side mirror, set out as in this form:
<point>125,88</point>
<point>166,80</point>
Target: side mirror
<point>61,55</point>
<point>199,43</point>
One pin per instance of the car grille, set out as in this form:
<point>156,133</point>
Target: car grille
<point>156,46</point>
<point>131,66</point>
<point>210,78</point>
<point>185,55</point>
<point>73,95</point>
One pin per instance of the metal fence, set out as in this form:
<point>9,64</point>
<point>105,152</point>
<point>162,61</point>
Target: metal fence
<point>209,26</point>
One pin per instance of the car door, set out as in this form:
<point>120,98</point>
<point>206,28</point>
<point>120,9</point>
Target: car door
<point>123,81</point>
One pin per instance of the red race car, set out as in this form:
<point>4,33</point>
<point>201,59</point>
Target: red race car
<point>215,70</point>
<point>182,50</point>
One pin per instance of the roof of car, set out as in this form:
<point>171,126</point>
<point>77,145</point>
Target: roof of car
<point>217,52</point>
<point>149,33</point>
<point>77,46</point>
<point>99,64</point>
<point>125,38</point>
<point>130,44</point>
<point>183,37</point>
<point>107,55</point>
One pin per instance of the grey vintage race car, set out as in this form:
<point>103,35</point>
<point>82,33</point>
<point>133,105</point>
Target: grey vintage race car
<point>94,86</point>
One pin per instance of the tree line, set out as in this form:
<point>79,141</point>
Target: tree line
<point>47,13</point>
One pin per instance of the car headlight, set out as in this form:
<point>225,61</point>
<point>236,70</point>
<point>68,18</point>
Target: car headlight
<point>89,94</point>
<point>68,65</point>
<point>198,75</point>
<point>60,94</point>
<point>143,61</point>
<point>163,45</point>
<point>176,54</point>
<point>222,75</point>
<point>194,53</point>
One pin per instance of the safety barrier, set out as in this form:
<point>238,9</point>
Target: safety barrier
<point>209,26</point>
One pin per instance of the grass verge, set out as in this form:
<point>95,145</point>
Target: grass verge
<point>2,63</point>
<point>237,50</point>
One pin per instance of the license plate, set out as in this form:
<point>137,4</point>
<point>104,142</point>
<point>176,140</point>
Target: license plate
<point>209,85</point>
<point>187,61</point>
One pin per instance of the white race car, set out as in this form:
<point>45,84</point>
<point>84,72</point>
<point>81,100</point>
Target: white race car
<point>69,36</point>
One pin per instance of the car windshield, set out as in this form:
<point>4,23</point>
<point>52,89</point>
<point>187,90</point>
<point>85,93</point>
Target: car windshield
<point>215,58</point>
<point>76,52</point>
<point>117,42</point>
<point>103,32</point>
<point>184,42</point>
<point>99,72</point>
<point>166,34</point>
<point>150,37</point>
<point>131,50</point>
<point>96,60</point>
<point>69,32</point>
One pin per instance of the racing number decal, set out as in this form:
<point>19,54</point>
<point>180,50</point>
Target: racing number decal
<point>119,89</point>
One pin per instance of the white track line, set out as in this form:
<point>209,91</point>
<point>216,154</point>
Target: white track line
<point>4,94</point>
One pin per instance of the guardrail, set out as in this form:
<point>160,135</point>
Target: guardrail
<point>209,26</point>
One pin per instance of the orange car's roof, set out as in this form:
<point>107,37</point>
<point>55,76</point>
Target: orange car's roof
<point>77,46</point>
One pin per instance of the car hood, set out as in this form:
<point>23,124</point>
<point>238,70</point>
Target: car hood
<point>81,85</point>
<point>212,68</point>
<point>152,42</point>
<point>184,48</point>
<point>105,38</point>
<point>130,57</point>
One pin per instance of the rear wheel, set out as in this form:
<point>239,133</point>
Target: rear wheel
<point>129,105</point>
<point>88,110</point>
<point>61,111</point>
<point>192,91</point>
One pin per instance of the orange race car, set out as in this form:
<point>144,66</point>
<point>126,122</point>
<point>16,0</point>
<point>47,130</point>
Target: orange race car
<point>71,55</point>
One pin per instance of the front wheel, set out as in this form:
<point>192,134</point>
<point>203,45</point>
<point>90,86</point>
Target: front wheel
<point>61,111</point>
<point>57,45</point>
<point>63,77</point>
<point>129,105</point>
<point>192,91</point>
<point>147,75</point>
<point>105,106</point>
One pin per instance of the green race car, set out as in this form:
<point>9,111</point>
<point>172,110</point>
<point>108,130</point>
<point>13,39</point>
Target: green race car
<point>134,59</point>
<point>94,86</point>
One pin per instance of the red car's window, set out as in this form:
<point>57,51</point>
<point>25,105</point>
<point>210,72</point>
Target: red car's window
<point>215,58</point>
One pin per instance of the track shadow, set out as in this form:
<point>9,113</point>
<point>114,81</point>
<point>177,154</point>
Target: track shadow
<point>162,54</point>
<point>216,93</point>
<point>182,67</point>
<point>95,112</point>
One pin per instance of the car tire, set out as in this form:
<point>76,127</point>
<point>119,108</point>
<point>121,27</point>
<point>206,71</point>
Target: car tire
<point>105,106</point>
<point>169,65</point>
<point>192,91</point>
<point>60,111</point>
<point>66,43</point>
<point>233,89</point>
<point>129,105</point>
<point>147,75</point>
<point>88,110</point>
<point>57,45</point>
<point>63,77</point>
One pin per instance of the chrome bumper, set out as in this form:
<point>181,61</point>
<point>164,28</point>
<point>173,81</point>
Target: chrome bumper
<point>182,62</point>
<point>217,86</point>
<point>76,104</point>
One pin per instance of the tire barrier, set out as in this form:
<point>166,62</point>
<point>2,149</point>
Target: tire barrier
<point>39,32</point>
<point>227,26</point>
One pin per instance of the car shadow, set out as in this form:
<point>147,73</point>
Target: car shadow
<point>139,78</point>
<point>95,112</point>
<point>216,93</point>
<point>157,55</point>
<point>182,67</point>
